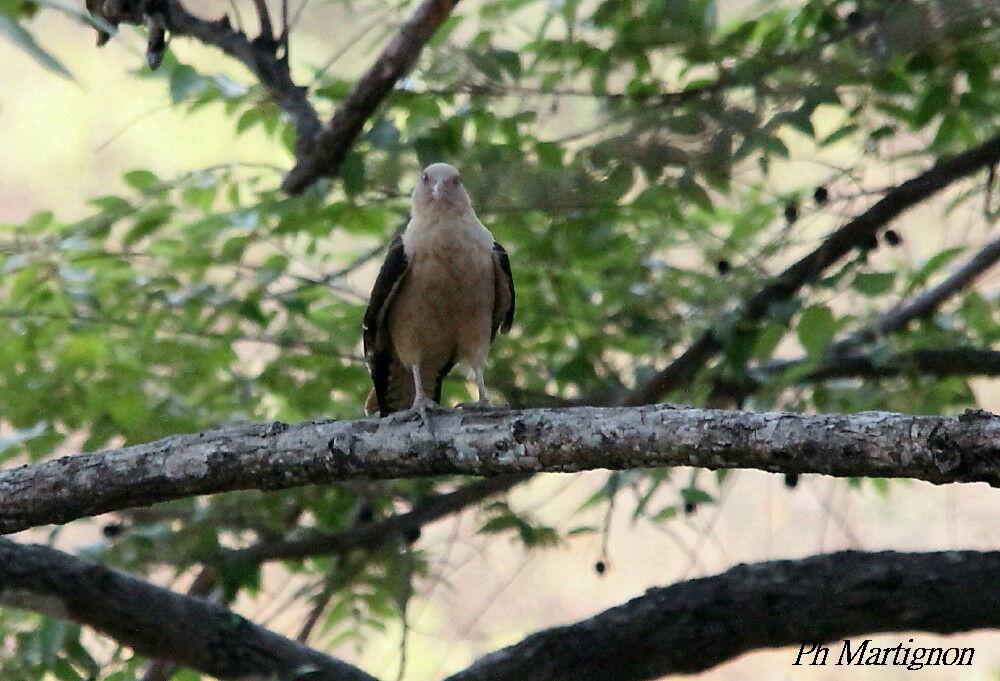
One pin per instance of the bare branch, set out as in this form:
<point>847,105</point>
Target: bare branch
<point>331,145</point>
<point>902,314</point>
<point>692,626</point>
<point>278,456</point>
<point>939,362</point>
<point>264,17</point>
<point>966,361</point>
<point>156,622</point>
<point>378,532</point>
<point>260,58</point>
<point>684,368</point>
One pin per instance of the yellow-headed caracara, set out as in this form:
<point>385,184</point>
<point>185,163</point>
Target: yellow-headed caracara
<point>443,292</point>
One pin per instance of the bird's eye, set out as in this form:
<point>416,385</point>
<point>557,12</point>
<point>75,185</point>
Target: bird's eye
<point>455,181</point>
<point>426,178</point>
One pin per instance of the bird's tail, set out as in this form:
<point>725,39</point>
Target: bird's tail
<point>371,404</point>
<point>399,391</point>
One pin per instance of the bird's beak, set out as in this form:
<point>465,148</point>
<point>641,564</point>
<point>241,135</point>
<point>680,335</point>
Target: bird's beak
<point>436,190</point>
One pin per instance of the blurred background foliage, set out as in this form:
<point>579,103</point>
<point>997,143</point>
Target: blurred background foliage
<point>645,163</point>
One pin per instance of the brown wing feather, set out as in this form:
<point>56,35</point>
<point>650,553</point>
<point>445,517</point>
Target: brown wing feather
<point>382,364</point>
<point>503,291</point>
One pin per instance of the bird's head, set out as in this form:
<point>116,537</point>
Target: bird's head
<point>440,190</point>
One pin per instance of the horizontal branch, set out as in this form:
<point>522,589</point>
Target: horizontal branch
<point>327,150</point>
<point>861,229</point>
<point>928,362</point>
<point>684,628</point>
<point>377,532</point>
<point>278,456</point>
<point>692,626</point>
<point>157,622</point>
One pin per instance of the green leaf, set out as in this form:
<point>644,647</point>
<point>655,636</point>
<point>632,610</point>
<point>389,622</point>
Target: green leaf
<point>352,172</point>
<point>935,99</point>
<point>873,283</point>
<point>64,671</point>
<point>693,495</point>
<point>24,40</point>
<point>838,135</point>
<point>816,328</point>
<point>141,180</point>
<point>184,82</point>
<point>933,264</point>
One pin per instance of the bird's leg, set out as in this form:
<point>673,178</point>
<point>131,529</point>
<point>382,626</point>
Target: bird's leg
<point>483,402</point>
<point>421,403</point>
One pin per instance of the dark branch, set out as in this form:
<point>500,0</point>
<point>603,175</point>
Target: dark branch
<point>258,56</point>
<point>965,362</point>
<point>897,317</point>
<point>264,17</point>
<point>685,368</point>
<point>378,532</point>
<point>928,362</point>
<point>692,626</point>
<point>329,148</point>
<point>156,622</point>
<point>872,444</point>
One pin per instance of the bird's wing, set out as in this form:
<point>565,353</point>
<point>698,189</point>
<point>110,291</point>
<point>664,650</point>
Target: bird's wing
<point>503,291</point>
<point>378,347</point>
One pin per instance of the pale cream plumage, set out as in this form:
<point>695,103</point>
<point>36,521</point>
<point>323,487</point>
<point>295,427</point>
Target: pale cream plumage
<point>443,292</point>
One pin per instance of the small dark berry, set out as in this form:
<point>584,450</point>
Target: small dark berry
<point>791,212</point>
<point>821,195</point>
<point>113,530</point>
<point>892,237</point>
<point>690,507</point>
<point>791,480</point>
<point>365,514</point>
<point>723,267</point>
<point>855,20</point>
<point>600,567</point>
<point>411,535</point>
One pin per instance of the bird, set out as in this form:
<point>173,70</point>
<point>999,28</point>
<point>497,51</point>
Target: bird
<point>443,292</point>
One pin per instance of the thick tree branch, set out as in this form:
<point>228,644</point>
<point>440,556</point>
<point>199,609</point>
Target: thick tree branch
<point>683,370</point>
<point>933,448</point>
<point>331,145</point>
<point>695,625</point>
<point>156,622</point>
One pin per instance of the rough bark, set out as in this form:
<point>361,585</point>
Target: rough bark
<point>681,629</point>
<point>277,456</point>
<point>706,347</point>
<point>156,622</point>
<point>692,626</point>
<point>328,149</point>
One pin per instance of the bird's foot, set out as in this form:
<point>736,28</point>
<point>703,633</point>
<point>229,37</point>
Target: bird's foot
<point>421,410</point>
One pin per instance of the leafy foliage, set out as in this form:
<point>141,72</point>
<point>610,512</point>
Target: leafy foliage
<point>624,152</point>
